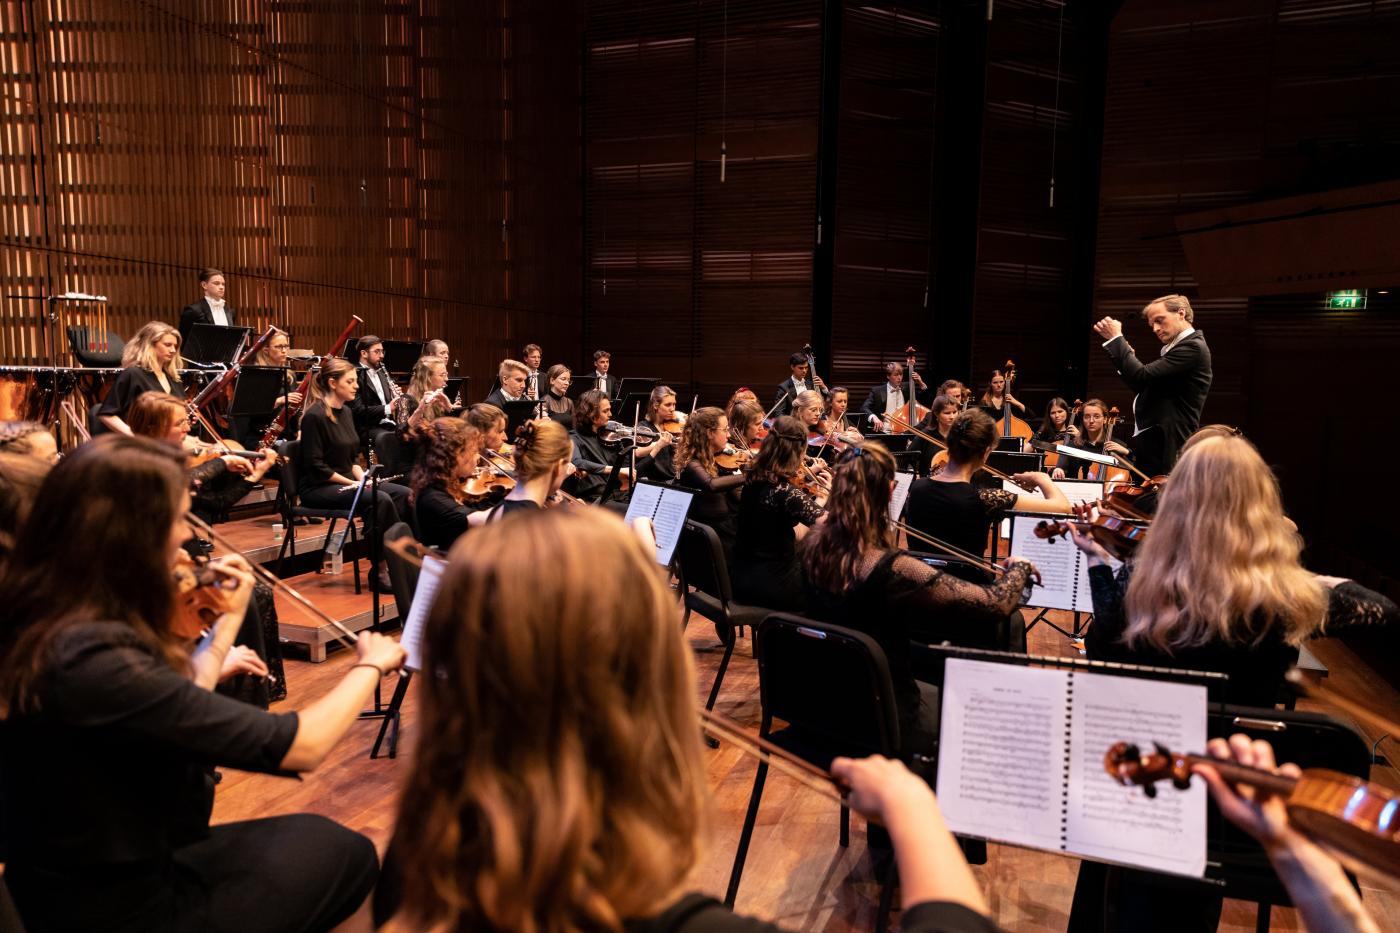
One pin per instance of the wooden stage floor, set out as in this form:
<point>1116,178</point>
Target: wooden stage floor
<point>797,874</point>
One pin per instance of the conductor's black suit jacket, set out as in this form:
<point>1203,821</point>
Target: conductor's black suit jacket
<point>1171,391</point>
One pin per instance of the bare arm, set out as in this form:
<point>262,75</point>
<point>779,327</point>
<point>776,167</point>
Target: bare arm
<point>1051,498</point>
<point>115,423</point>
<point>323,723</point>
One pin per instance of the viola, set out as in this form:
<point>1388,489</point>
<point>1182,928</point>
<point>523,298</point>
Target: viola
<point>203,595</point>
<point>487,485</point>
<point>1357,819</point>
<point>1119,536</point>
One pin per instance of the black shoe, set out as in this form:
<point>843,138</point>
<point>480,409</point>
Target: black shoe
<point>380,583</point>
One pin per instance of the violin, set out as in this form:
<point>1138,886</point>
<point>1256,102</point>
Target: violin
<point>202,595</point>
<point>485,485</point>
<point>1118,536</point>
<point>733,458</point>
<point>1126,499</point>
<point>1357,819</point>
<point>207,452</point>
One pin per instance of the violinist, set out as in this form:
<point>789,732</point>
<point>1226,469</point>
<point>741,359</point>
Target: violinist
<point>220,480</point>
<point>656,460</point>
<point>20,478</point>
<point>889,397</point>
<point>437,487</point>
<point>808,408</point>
<point>746,424</point>
<point>1094,437</point>
<point>741,394</point>
<point>995,397</point>
<point>542,452</point>
<point>151,362</point>
<point>857,578</point>
<point>800,380</point>
<point>1217,586</point>
<point>774,512</point>
<point>597,821</point>
<point>29,438</point>
<point>94,682</point>
<point>327,473</point>
<point>707,434</point>
<point>513,375</point>
<point>557,404</point>
<point>949,507</point>
<point>490,423</point>
<point>937,423</point>
<point>592,458</point>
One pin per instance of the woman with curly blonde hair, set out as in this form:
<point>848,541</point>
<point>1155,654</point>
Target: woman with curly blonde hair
<point>152,364</point>
<point>1218,585</point>
<point>564,787</point>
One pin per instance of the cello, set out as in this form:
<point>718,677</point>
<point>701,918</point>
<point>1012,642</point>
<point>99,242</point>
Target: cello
<point>1009,425</point>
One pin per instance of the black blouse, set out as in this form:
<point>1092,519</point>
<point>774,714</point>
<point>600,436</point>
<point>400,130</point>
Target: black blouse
<point>441,519</point>
<point>765,570</point>
<point>132,383</point>
<point>1256,670</point>
<point>716,504</point>
<point>327,447</point>
<point>559,408</point>
<point>107,698</point>
<point>591,459</point>
<point>959,514</point>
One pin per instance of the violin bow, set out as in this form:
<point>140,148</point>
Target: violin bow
<point>799,769</point>
<point>894,416</point>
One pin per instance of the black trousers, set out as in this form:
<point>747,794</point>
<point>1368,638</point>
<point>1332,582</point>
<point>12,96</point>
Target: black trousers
<point>284,874</point>
<point>390,504</point>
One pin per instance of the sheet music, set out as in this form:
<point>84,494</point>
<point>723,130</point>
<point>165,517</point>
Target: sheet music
<point>1063,575</point>
<point>1076,491</point>
<point>429,577</point>
<point>645,496</point>
<point>1120,824</point>
<point>668,521</point>
<point>1001,750</point>
<point>900,495</point>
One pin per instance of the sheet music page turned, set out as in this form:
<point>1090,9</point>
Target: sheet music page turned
<point>1001,751</point>
<point>412,638</point>
<point>668,522</point>
<point>900,494</point>
<point>1120,824</point>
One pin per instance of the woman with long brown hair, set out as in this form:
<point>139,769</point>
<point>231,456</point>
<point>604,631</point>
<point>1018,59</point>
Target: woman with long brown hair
<point>594,823</point>
<point>95,682</point>
<point>995,397</point>
<point>773,515</point>
<point>327,471</point>
<point>542,454</point>
<point>857,578</point>
<point>447,458</point>
<point>151,363</point>
<point>706,434</point>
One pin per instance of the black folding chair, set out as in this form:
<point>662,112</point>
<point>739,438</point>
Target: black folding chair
<point>832,686</point>
<point>700,564</point>
<point>404,577</point>
<point>291,509</point>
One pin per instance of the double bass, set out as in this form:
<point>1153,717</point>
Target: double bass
<point>1009,425</point>
<point>914,413</point>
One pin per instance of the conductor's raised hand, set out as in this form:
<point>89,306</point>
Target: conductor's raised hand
<point>1108,328</point>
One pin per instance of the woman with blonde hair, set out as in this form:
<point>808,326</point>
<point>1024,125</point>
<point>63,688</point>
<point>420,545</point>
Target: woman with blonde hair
<point>151,363</point>
<point>1218,585</point>
<point>542,463</point>
<point>425,397</point>
<point>565,787</point>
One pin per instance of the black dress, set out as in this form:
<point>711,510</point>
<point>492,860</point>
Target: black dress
<point>766,571</point>
<point>441,519</point>
<point>959,514</point>
<point>132,850</point>
<point>717,502</point>
<point>559,408</point>
<point>508,507</point>
<point>132,383</point>
<point>329,447</point>
<point>216,489</point>
<point>898,598</point>
<point>591,459</point>
<point>660,468</point>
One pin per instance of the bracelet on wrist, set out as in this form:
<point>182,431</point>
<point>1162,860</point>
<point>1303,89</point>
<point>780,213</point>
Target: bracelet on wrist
<point>368,664</point>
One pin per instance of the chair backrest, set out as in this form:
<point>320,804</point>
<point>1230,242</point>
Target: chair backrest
<point>85,342</point>
<point>287,476</point>
<point>832,683</point>
<point>700,557</point>
<point>402,574</point>
<point>956,566</point>
<point>388,450</point>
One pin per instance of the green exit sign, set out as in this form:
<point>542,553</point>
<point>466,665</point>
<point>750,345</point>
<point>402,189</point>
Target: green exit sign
<point>1350,300</point>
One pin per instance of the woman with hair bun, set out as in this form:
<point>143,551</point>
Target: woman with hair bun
<point>542,454</point>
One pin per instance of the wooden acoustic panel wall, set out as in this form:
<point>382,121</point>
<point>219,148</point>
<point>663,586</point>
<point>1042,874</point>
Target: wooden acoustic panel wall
<point>1218,104</point>
<point>415,163</point>
<point>701,281</point>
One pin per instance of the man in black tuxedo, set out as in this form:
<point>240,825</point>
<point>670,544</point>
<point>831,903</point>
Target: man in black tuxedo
<point>794,385</point>
<point>1171,391</point>
<point>513,377</point>
<point>210,309</point>
<point>376,391</point>
<point>601,379</point>
<point>891,396</point>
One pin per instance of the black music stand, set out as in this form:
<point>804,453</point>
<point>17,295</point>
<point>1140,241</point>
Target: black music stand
<point>256,390</point>
<point>633,383</point>
<point>212,343</point>
<point>1011,463</point>
<point>400,356</point>
<point>517,413</point>
<point>626,410</point>
<point>458,387</point>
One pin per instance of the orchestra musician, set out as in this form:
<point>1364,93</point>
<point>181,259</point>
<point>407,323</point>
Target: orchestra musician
<point>274,354</point>
<point>557,404</point>
<point>746,422</point>
<point>949,507</point>
<point>150,362</point>
<point>596,822</point>
<point>513,376</point>
<point>995,397</point>
<point>490,422</point>
<point>424,400</point>
<point>656,460</point>
<point>438,348</point>
<point>706,434</point>
<point>20,478</point>
<point>447,457</point>
<point>956,391</point>
<point>799,381</point>
<point>327,473</point>
<point>94,683</point>
<point>1057,428</point>
<point>1093,437</point>
<point>889,397</point>
<point>210,308</point>
<point>601,379</point>
<point>741,394</point>
<point>377,391</point>
<point>542,453</point>
<point>937,423</point>
<point>1171,390</point>
<point>591,458</point>
<point>856,577</point>
<point>30,439</point>
<point>532,354</point>
<point>808,408</point>
<point>774,514</point>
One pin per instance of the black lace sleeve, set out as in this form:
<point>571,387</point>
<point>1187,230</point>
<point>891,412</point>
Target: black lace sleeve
<point>943,591</point>
<point>1109,618</point>
<point>1351,604</point>
<point>801,508</point>
<point>996,501</point>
